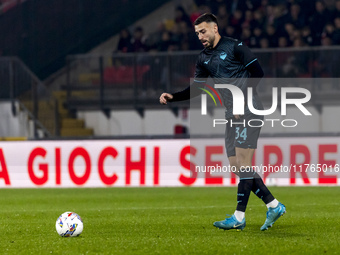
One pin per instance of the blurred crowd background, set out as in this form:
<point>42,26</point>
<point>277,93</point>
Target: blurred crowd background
<point>258,23</point>
<point>88,68</point>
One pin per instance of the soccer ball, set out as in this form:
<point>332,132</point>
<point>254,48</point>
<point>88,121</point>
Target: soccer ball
<point>69,224</point>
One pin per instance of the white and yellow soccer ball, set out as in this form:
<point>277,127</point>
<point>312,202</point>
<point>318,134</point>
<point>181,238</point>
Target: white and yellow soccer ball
<point>69,224</point>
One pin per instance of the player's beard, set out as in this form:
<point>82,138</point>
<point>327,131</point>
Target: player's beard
<point>210,41</point>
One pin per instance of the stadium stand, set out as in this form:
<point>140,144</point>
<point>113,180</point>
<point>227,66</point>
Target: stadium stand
<point>46,110</point>
<point>144,62</point>
<point>283,23</point>
<point>43,32</point>
<point>280,32</point>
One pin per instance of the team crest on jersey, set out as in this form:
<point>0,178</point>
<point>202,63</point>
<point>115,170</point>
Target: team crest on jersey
<point>223,55</point>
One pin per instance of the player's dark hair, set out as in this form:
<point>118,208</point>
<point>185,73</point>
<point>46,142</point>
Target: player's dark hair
<point>206,17</point>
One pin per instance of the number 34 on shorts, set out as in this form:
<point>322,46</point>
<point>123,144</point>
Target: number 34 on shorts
<point>241,134</point>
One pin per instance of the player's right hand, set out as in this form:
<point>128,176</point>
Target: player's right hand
<point>165,97</point>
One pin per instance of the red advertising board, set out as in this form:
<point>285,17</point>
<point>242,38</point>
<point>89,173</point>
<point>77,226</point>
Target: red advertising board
<point>178,162</point>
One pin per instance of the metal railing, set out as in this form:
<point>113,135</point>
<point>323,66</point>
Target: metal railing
<point>125,80</point>
<point>21,85</point>
<point>135,80</point>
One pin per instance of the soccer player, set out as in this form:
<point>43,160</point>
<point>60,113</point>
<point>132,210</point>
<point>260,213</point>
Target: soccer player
<point>227,59</point>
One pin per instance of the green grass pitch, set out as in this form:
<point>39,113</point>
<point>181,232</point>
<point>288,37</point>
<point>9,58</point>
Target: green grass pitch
<point>167,221</point>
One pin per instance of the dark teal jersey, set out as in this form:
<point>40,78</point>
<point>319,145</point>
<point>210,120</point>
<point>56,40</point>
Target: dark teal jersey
<point>226,64</point>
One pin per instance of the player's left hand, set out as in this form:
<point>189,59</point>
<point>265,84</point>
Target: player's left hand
<point>165,97</point>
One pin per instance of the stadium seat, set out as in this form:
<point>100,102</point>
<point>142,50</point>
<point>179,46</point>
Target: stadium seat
<point>180,129</point>
<point>124,74</point>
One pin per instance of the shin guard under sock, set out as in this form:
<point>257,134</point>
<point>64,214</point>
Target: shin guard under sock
<point>261,190</point>
<point>244,188</point>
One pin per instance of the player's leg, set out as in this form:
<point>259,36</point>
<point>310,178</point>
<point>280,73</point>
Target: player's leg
<point>245,185</point>
<point>246,143</point>
<point>233,165</point>
<point>244,159</point>
<point>258,188</point>
<point>242,190</point>
<point>240,158</point>
<point>232,222</point>
<point>237,220</point>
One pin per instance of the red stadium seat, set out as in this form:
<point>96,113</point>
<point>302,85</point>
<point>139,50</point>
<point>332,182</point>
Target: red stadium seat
<point>180,129</point>
<point>124,74</point>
